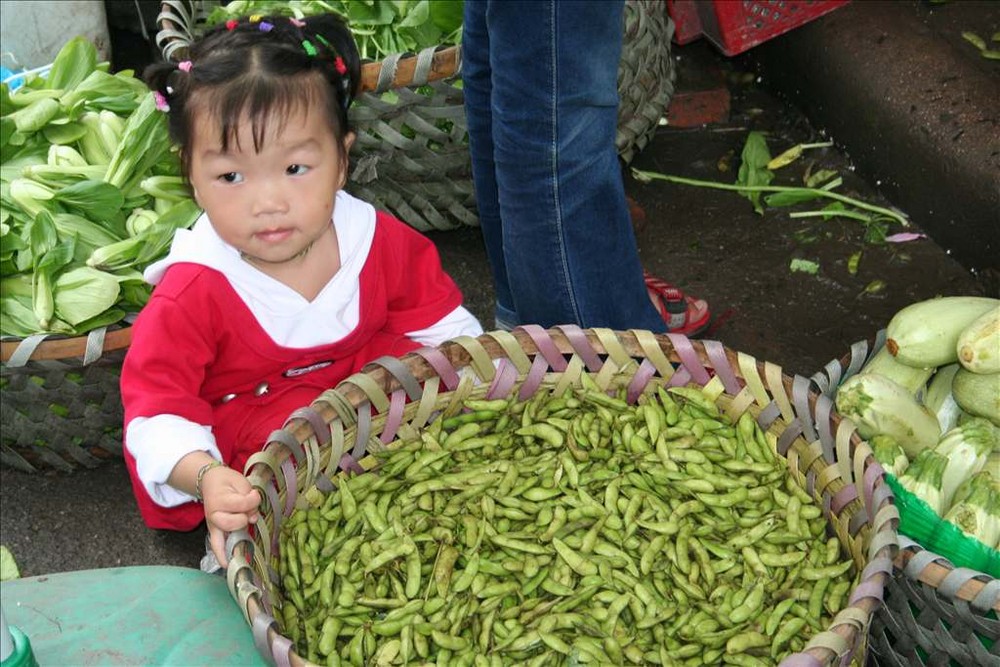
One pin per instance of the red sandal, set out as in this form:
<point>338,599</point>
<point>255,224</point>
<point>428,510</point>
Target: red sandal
<point>682,313</point>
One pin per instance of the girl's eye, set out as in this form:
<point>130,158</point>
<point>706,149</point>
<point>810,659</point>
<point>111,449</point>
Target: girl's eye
<point>296,169</point>
<point>232,177</point>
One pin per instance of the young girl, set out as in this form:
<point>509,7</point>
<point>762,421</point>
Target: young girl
<point>285,286</point>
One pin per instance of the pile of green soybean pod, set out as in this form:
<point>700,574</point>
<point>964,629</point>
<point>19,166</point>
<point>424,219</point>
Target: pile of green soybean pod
<point>566,529</point>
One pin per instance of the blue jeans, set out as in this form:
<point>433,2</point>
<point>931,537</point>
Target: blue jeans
<point>541,100</point>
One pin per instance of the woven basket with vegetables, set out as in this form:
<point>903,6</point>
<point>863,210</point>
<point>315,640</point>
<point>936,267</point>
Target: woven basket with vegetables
<point>411,156</point>
<point>926,393</point>
<point>565,496</point>
<point>91,194</point>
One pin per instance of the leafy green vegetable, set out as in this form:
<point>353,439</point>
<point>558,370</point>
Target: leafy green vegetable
<point>8,566</point>
<point>753,169</point>
<point>380,27</point>
<point>78,145</point>
<point>805,266</point>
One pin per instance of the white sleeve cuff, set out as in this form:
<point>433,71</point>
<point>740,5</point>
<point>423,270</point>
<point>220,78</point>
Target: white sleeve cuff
<point>459,322</point>
<point>158,443</point>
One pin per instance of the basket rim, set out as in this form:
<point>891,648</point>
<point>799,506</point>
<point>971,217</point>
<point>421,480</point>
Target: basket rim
<point>445,60</point>
<point>939,567</point>
<point>56,347</point>
<point>362,389</point>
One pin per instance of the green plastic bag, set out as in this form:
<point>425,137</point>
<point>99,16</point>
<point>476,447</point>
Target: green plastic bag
<point>922,524</point>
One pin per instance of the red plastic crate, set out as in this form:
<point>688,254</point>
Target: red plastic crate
<point>737,25</point>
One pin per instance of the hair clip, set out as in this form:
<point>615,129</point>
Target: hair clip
<point>184,65</point>
<point>170,90</point>
<point>231,24</point>
<point>298,23</point>
<point>161,101</point>
<point>309,48</point>
<point>255,18</point>
<point>339,65</point>
<point>266,27</point>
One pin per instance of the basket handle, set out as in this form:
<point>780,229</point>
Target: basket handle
<point>396,71</point>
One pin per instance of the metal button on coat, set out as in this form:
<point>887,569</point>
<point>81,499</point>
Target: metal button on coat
<point>227,398</point>
<point>261,389</point>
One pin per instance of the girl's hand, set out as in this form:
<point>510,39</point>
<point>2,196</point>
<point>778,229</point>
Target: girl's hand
<point>230,504</point>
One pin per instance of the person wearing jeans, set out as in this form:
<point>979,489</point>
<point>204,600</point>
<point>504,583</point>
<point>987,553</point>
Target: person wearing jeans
<point>541,99</point>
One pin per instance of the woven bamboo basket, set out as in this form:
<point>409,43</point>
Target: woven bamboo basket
<point>61,406</point>
<point>411,156</point>
<point>934,613</point>
<point>318,444</point>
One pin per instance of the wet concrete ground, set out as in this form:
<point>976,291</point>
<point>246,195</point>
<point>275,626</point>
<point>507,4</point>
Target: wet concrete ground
<point>711,243</point>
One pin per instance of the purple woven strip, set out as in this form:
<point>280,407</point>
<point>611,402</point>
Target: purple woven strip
<point>503,380</point>
<point>441,365</point>
<point>318,424</point>
<point>859,519</point>
<point>883,565</point>
<point>841,499</point>
<point>768,415</point>
<point>535,376</point>
<point>682,345</point>
<point>291,488</point>
<point>280,650</point>
<point>811,483</point>
<point>364,429</point>
<point>867,589</point>
<point>879,497</point>
<point>872,474</point>
<point>323,483</point>
<point>920,560</point>
<point>680,378</point>
<point>859,353</point>
<point>288,440</point>
<point>347,462</point>
<point>788,436</point>
<point>823,408</point>
<point>545,346</point>
<point>271,491</point>
<point>800,660</point>
<point>578,340</point>
<point>235,537</point>
<point>717,355</point>
<point>402,374</point>
<point>395,417</point>
<point>260,624</point>
<point>800,398</point>
<point>641,378</point>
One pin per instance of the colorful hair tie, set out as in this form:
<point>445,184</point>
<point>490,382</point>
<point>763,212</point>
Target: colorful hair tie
<point>309,48</point>
<point>255,18</point>
<point>161,101</point>
<point>231,24</point>
<point>266,27</point>
<point>184,65</point>
<point>341,68</point>
<point>298,23</point>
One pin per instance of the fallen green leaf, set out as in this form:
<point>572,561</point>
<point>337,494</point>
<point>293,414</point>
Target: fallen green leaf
<point>990,54</point>
<point>804,266</point>
<point>821,176</point>
<point>874,287</point>
<point>8,566</point>
<point>793,154</point>
<point>852,263</point>
<point>974,39</point>
<point>753,169</point>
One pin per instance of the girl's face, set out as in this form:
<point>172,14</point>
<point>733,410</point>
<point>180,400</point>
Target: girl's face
<point>274,204</point>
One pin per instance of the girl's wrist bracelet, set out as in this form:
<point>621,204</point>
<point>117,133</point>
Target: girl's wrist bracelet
<point>201,475</point>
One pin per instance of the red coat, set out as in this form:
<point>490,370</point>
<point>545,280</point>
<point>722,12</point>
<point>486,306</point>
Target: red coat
<point>196,341</point>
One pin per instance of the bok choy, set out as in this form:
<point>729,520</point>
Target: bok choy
<point>90,193</point>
